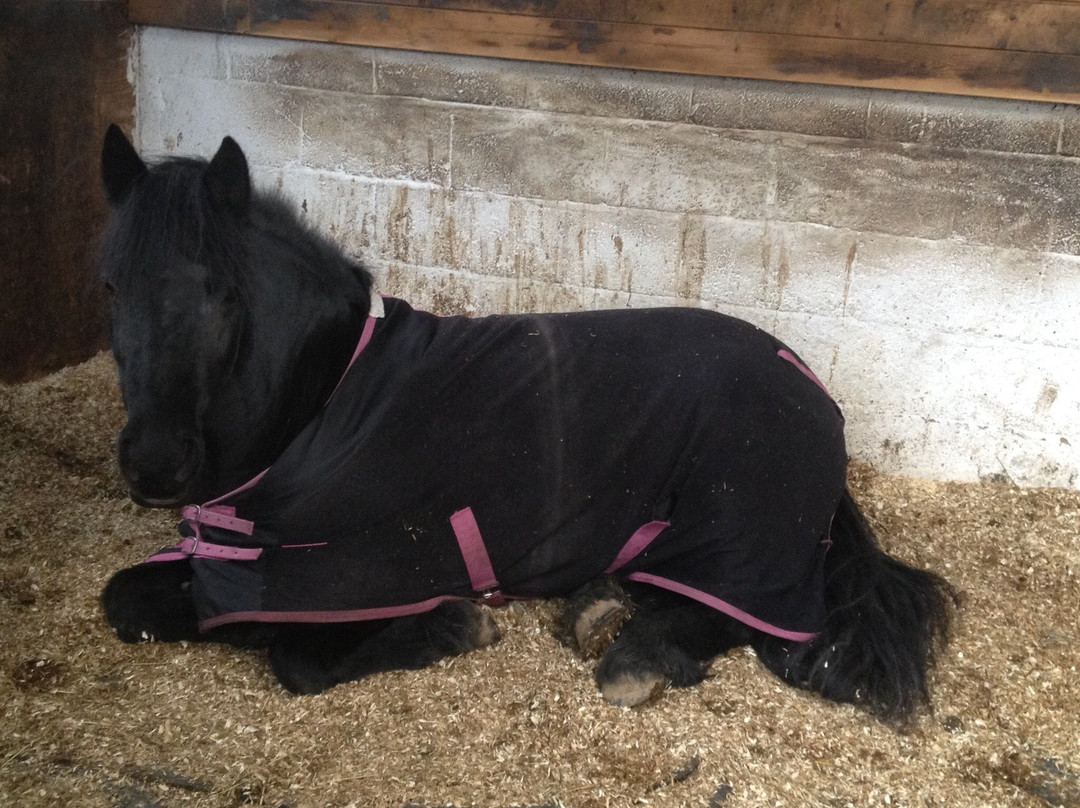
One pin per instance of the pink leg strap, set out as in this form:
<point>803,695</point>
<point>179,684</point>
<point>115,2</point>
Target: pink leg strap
<point>477,562</point>
<point>641,539</point>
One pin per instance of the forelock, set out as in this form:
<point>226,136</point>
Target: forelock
<point>168,213</point>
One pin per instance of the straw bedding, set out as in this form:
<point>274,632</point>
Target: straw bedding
<point>88,721</point>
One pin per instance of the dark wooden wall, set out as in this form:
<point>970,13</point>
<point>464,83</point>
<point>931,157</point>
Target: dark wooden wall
<point>63,77</point>
<point>1024,49</point>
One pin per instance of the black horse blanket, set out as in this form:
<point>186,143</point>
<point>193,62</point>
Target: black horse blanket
<point>523,455</point>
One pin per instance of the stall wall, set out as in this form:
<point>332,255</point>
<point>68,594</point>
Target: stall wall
<point>920,251</point>
<point>63,77</point>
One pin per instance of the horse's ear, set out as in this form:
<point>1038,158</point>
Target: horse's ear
<point>121,165</point>
<point>227,179</point>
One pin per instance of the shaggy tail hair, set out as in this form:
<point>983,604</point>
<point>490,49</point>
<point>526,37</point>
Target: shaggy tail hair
<point>886,621</point>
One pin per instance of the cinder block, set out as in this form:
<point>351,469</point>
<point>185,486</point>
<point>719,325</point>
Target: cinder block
<point>485,234</point>
<point>541,296</point>
<point>732,256</point>
<point>986,198</point>
<point>813,337</point>
<point>775,266</point>
<point>311,65</point>
<point>624,249</point>
<point>1010,200</point>
<point>171,53</point>
<point>1065,215</point>
<point>953,122</point>
<point>1035,458</point>
<point>893,371</point>
<point>1066,232</point>
<point>342,207</point>
<point>391,138</point>
<point>1070,131</point>
<point>519,238</point>
<point>608,93</point>
<point>528,154</point>
<point>457,79</point>
<point>964,289</point>
<point>673,167</point>
<point>678,167</point>
<point>498,236</point>
<point>907,444</point>
<point>806,109</point>
<point>191,116</point>
<point>596,299</point>
<point>538,86</point>
<point>446,291</point>
<point>864,188</point>
<point>808,269</point>
<point>954,450</point>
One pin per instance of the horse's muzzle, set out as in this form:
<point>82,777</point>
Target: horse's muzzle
<point>159,466</point>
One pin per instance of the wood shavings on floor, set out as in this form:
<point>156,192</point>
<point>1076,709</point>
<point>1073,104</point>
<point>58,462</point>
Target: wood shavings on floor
<point>88,721</point>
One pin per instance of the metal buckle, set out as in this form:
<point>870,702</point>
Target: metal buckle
<point>491,596</point>
<point>196,535</point>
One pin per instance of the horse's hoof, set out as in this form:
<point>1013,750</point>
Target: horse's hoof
<point>633,689</point>
<point>598,625</point>
<point>486,632</point>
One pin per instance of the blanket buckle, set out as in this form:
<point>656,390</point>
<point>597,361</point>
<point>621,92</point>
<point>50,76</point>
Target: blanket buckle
<point>491,596</point>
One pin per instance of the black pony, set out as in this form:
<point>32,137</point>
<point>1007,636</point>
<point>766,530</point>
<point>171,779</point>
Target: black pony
<point>367,474</point>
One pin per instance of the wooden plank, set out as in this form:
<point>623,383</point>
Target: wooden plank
<point>64,79</point>
<point>1027,25</point>
<point>900,66</point>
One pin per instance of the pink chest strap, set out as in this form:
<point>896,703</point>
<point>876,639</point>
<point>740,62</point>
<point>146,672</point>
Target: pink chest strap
<point>215,514</point>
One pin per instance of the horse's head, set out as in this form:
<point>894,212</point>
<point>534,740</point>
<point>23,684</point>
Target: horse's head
<point>170,262</point>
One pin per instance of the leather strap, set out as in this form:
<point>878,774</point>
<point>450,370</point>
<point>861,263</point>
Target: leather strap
<point>477,562</point>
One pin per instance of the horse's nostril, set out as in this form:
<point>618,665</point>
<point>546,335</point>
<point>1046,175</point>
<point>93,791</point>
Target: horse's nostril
<point>190,463</point>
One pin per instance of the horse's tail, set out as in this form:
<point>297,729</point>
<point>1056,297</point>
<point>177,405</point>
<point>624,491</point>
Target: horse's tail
<point>885,622</point>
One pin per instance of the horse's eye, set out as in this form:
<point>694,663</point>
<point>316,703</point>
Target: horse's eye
<point>110,288</point>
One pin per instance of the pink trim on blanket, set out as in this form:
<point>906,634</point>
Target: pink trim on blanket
<point>641,539</point>
<point>236,491</point>
<point>365,338</point>
<point>790,357</point>
<point>348,616</point>
<point>721,605</point>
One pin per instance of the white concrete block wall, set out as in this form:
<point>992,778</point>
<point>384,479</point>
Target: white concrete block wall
<point>920,252</point>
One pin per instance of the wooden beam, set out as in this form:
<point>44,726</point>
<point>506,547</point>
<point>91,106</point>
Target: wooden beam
<point>1029,25</point>
<point>961,69</point>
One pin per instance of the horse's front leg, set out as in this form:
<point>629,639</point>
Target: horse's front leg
<point>152,601</point>
<point>312,658</point>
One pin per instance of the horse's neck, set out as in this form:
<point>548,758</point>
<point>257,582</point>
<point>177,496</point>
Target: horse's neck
<point>299,347</point>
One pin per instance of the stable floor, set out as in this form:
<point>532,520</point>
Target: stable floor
<point>88,721</point>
